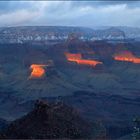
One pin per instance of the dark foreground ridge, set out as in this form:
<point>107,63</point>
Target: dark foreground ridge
<point>48,121</point>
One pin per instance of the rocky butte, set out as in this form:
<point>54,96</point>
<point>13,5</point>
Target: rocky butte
<point>127,56</point>
<point>79,60</point>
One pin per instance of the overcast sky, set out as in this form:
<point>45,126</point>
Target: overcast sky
<point>73,13</point>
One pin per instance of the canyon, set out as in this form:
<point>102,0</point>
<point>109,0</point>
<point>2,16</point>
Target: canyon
<point>100,78</point>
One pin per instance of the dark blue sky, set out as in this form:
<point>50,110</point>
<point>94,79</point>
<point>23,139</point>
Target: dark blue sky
<point>73,13</point>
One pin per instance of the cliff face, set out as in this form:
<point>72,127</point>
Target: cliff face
<point>48,33</point>
<point>50,121</point>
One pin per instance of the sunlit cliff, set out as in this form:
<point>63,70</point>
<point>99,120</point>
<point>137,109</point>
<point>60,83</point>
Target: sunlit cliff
<point>38,71</point>
<point>79,60</point>
<point>127,56</point>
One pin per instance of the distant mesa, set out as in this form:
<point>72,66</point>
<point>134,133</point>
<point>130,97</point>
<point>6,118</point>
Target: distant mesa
<point>45,34</point>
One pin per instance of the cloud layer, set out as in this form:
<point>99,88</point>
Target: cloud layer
<point>70,13</point>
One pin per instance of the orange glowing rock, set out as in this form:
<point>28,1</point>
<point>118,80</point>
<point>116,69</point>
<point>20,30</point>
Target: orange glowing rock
<point>72,56</point>
<point>78,59</point>
<point>127,56</point>
<point>37,71</point>
<point>88,62</point>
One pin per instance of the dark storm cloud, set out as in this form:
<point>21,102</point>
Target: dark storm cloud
<point>84,13</point>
